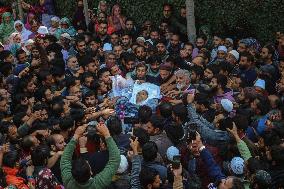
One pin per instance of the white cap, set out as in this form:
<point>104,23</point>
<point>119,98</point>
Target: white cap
<point>141,39</point>
<point>222,48</point>
<point>227,105</point>
<point>29,42</point>
<point>235,54</point>
<point>123,166</point>
<point>66,35</point>
<point>171,152</point>
<point>42,30</point>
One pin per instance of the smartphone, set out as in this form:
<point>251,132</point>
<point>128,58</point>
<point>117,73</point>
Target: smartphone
<point>176,162</point>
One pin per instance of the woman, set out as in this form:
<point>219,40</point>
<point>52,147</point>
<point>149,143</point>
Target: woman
<point>29,21</point>
<point>7,27</point>
<point>117,20</point>
<point>20,28</point>
<point>102,7</point>
<point>15,42</point>
<point>65,27</point>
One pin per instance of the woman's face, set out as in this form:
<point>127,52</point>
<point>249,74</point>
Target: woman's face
<point>19,27</point>
<point>31,18</point>
<point>103,6</point>
<point>7,19</point>
<point>116,11</point>
<point>64,25</point>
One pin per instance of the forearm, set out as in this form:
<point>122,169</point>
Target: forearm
<point>23,130</point>
<point>178,182</point>
<point>136,169</point>
<point>66,159</point>
<point>244,150</point>
<point>52,161</point>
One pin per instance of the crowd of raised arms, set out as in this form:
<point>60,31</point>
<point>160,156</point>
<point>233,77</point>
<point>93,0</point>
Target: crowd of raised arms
<point>117,105</point>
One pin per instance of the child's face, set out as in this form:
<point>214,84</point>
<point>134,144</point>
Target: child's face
<point>17,39</point>
<point>141,96</point>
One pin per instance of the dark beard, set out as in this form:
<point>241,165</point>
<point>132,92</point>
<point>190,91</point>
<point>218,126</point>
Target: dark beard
<point>242,67</point>
<point>214,90</point>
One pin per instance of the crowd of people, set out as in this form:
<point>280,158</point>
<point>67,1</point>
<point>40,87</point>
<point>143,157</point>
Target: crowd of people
<point>117,105</point>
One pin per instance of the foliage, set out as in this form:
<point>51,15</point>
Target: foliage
<point>258,18</point>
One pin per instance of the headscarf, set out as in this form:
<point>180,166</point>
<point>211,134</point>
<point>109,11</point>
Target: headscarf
<point>70,30</point>
<point>24,33</point>
<point>252,43</point>
<point>13,47</point>
<point>115,21</point>
<point>6,28</point>
<point>28,25</point>
<point>99,7</point>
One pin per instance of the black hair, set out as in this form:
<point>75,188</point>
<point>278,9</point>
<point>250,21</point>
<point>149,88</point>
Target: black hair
<point>18,52</point>
<point>77,114</point>
<point>263,104</point>
<point>237,183</point>
<point>5,68</point>
<point>180,111</point>
<point>202,99</point>
<point>241,122</point>
<point>198,70</point>
<point>175,133</point>
<point>40,155</point>
<point>81,170</point>
<point>43,75</point>
<point>27,143</point>
<point>142,135</point>
<point>114,125</point>
<point>102,71</point>
<point>17,118</point>
<point>147,176</point>
<point>66,123</point>
<point>144,114</point>
<point>5,54</point>
<point>11,158</point>
<point>149,151</point>
<point>157,122</point>
<point>221,80</point>
<point>253,165</point>
<point>226,123</point>
<point>153,59</point>
<point>166,109</point>
<point>213,68</point>
<point>249,57</point>
<point>129,57</point>
<point>225,66</point>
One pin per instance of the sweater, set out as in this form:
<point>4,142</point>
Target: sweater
<point>102,179</point>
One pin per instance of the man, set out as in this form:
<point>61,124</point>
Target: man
<point>174,45</point>
<point>162,49</point>
<point>102,32</point>
<point>233,57</point>
<point>155,129</point>
<point>268,67</point>
<point>153,66</point>
<point>126,42</point>
<point>130,28</point>
<point>79,50</point>
<point>222,181</point>
<point>185,57</point>
<point>114,39</point>
<point>221,55</point>
<point>78,174</point>
<point>199,43</point>
<point>247,70</point>
<point>219,88</point>
<point>117,49</point>
<point>165,73</point>
<point>110,59</point>
<point>104,76</point>
<point>72,66</point>
<point>217,41</point>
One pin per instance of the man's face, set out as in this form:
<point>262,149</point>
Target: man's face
<point>89,81</point>
<point>175,40</point>
<point>4,105</point>
<point>130,65</point>
<point>48,95</point>
<point>200,43</point>
<point>150,129</point>
<point>183,12</point>
<point>90,101</point>
<point>221,55</point>
<point>188,49</point>
<point>140,53</point>
<point>141,96</point>
<point>31,87</point>
<point>231,59</point>
<point>91,67</point>
<point>181,81</point>
<point>197,61</point>
<point>9,59</point>
<point>161,48</point>
<point>167,11</point>
<point>117,51</point>
<point>110,60</point>
<point>102,30</point>
<point>106,78</point>
<point>12,132</point>
<point>213,84</point>
<point>241,48</point>
<point>154,35</point>
<point>115,70</point>
<point>49,81</point>
<point>73,64</point>
<point>22,57</point>
<point>164,74</point>
<point>43,115</point>
<point>125,40</point>
<point>264,54</point>
<point>94,46</point>
<point>81,46</point>
<point>141,72</point>
<point>155,66</point>
<point>217,41</point>
<point>226,183</point>
<point>114,39</point>
<point>129,25</point>
<point>193,77</point>
<point>59,142</point>
<point>157,182</point>
<point>244,64</point>
<point>75,91</point>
